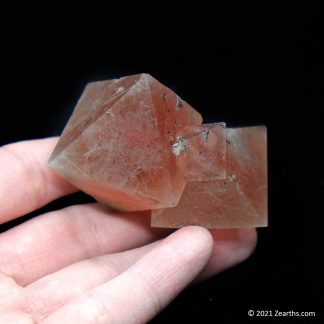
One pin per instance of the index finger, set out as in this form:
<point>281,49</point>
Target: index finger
<point>26,181</point>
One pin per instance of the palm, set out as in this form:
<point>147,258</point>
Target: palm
<point>85,263</point>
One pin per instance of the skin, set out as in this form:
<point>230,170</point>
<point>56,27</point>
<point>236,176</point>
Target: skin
<point>87,264</point>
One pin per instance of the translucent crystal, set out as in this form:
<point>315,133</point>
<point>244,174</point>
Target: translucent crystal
<point>117,144</point>
<point>201,152</point>
<point>133,144</point>
<point>240,200</point>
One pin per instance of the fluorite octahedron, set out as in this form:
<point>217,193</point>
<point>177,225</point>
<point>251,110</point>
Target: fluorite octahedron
<point>238,196</point>
<point>133,144</point>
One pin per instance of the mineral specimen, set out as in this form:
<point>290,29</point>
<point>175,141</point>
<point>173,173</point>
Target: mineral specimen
<point>133,144</point>
<point>238,200</point>
<point>116,145</point>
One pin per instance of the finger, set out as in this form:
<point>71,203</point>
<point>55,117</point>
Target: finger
<point>51,292</point>
<point>145,288</point>
<point>55,240</point>
<point>232,246</point>
<point>26,182</point>
<point>13,306</point>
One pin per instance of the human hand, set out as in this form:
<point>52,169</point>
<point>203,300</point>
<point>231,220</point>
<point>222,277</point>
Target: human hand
<point>86,264</point>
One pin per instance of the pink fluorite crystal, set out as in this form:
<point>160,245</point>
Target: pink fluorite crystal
<point>116,145</point>
<point>201,152</point>
<point>239,200</point>
<point>133,144</point>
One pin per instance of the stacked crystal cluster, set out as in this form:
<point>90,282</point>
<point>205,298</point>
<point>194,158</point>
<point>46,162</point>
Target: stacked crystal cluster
<point>133,144</point>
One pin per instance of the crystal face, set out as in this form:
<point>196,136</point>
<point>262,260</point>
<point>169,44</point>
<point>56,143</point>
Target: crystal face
<point>133,144</point>
<point>201,152</point>
<point>116,145</point>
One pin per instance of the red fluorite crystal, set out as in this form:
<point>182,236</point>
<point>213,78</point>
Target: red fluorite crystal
<point>133,144</point>
<point>201,152</point>
<point>116,145</point>
<point>239,200</point>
